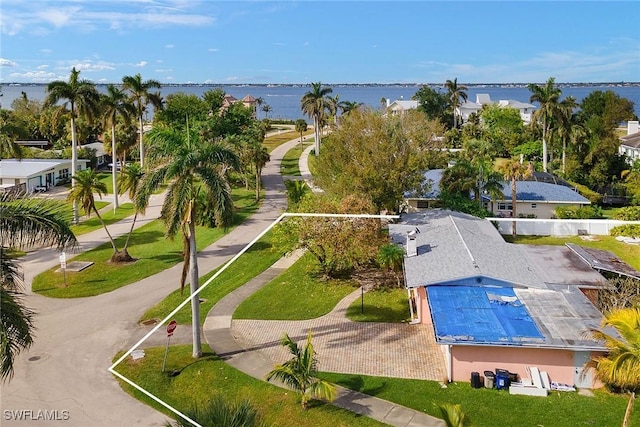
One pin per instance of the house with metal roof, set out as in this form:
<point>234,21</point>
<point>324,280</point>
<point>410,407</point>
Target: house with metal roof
<point>35,174</point>
<point>492,304</point>
<point>630,143</point>
<point>468,108</point>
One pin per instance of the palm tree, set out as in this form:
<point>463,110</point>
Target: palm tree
<point>267,109</point>
<point>220,413</point>
<point>82,98</point>
<point>513,171</point>
<point>24,221</point>
<point>548,97</point>
<point>348,106</point>
<point>453,416</point>
<point>131,177</point>
<point>301,127</point>
<point>260,157</point>
<point>141,97</point>
<point>299,372</point>
<point>190,165</point>
<point>565,125</point>
<point>391,257</point>
<point>455,92</point>
<point>87,185</point>
<point>259,102</point>
<point>313,104</point>
<point>296,190</point>
<point>8,134</point>
<point>115,104</point>
<point>620,368</point>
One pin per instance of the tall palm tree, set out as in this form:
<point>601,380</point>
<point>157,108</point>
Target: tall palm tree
<point>299,372</point>
<point>259,102</point>
<point>455,92</point>
<point>24,221</point>
<point>260,157</point>
<point>267,109</point>
<point>87,185</point>
<point>141,97</point>
<point>565,125</point>
<point>82,98</point>
<point>514,171</point>
<point>548,97</point>
<point>313,104</point>
<point>131,176</point>
<point>8,134</point>
<point>189,165</point>
<point>115,104</point>
<point>301,127</point>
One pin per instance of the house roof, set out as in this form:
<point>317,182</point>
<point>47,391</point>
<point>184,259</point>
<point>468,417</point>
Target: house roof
<point>516,104</point>
<point>490,292</point>
<point>404,105</point>
<point>542,192</point>
<point>632,140</point>
<point>25,168</point>
<point>248,98</point>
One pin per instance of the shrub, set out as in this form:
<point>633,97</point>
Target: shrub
<point>593,196</point>
<point>628,230</point>
<point>574,212</point>
<point>629,213</point>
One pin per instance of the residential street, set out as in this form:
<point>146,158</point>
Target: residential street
<point>76,339</point>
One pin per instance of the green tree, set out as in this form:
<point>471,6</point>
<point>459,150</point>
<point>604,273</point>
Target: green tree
<point>299,372</point>
<point>514,171</point>
<point>189,164</point>
<point>301,127</point>
<point>566,122</point>
<point>503,127</point>
<point>180,105</point>
<point>218,412</point>
<point>115,104</point>
<point>432,103</point>
<point>9,131</point>
<point>83,99</point>
<point>141,97</point>
<point>455,93</point>
<point>548,97</point>
<point>24,221</point>
<point>314,103</point>
<point>391,258</point>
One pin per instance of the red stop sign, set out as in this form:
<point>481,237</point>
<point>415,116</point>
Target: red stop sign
<point>171,327</point>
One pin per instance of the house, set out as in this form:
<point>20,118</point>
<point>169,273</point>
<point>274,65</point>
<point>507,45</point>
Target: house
<point>400,106</point>
<point>534,198</point>
<point>469,107</point>
<point>35,174</point>
<point>538,197</point>
<point>248,101</point>
<point>630,144</point>
<point>101,156</point>
<point>492,304</point>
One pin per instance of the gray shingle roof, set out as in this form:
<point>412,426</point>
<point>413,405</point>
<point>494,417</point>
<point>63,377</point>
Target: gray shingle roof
<point>533,191</point>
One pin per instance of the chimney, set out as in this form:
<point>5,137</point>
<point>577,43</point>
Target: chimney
<point>412,246</point>
<point>632,127</point>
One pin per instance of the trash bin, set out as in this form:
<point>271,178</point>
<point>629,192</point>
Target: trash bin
<point>502,381</point>
<point>489,379</point>
<point>475,380</point>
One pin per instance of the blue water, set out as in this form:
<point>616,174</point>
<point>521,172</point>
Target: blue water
<point>285,100</point>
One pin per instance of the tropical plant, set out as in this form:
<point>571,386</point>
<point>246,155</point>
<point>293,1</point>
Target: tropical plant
<point>8,132</point>
<point>259,157</point>
<point>141,97</point>
<point>453,416</point>
<point>24,221</point>
<point>455,92</point>
<point>296,190</point>
<point>301,127</point>
<point>131,176</point>
<point>267,109</point>
<point>391,257</point>
<point>313,104</point>
<point>548,97</point>
<point>514,171</point>
<point>220,413</point>
<point>299,372</point>
<point>189,164</point>
<point>115,104</point>
<point>566,123</point>
<point>83,99</point>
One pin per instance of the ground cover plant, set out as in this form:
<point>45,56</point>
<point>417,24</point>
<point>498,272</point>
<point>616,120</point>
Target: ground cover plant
<point>148,245</point>
<point>491,407</point>
<point>199,380</point>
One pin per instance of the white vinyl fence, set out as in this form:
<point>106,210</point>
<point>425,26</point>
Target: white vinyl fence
<point>558,227</point>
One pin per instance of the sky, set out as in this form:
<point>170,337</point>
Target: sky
<point>333,42</point>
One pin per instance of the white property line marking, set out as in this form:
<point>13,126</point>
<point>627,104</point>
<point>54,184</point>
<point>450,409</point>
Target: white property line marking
<point>211,279</point>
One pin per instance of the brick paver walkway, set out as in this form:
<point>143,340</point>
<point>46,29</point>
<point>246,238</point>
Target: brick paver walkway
<point>377,349</point>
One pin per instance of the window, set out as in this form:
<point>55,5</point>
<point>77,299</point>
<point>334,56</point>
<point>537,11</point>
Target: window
<point>64,173</point>
<point>503,206</point>
<point>422,204</point>
<point>533,205</point>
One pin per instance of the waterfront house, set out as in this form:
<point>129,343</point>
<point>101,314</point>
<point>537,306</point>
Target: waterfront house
<point>630,143</point>
<point>469,107</point>
<point>35,174</point>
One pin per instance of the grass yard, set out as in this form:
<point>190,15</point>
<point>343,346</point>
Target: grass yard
<point>274,141</point>
<point>627,253</point>
<point>253,262</point>
<point>290,161</point>
<point>297,294</point>
<point>200,380</point>
<point>93,223</point>
<point>147,244</point>
<point>495,407</point>
<point>381,305</point>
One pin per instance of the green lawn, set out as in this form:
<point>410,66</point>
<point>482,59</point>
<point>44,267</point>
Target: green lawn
<point>277,140</point>
<point>93,223</point>
<point>200,380</point>
<point>297,294</point>
<point>381,305</point>
<point>291,160</point>
<point>154,253</point>
<point>495,407</point>
<point>627,253</point>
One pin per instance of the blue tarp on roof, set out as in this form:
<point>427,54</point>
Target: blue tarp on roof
<point>481,315</point>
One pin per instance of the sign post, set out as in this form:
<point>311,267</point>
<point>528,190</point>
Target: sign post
<point>171,327</point>
<point>63,267</point>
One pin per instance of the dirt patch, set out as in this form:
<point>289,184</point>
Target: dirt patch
<point>373,278</point>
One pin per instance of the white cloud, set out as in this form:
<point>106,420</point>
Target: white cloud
<point>35,77</point>
<point>88,66</point>
<point>169,46</point>
<point>141,64</point>
<point>7,63</point>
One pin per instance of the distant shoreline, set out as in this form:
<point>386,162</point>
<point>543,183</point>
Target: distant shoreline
<point>468,85</point>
